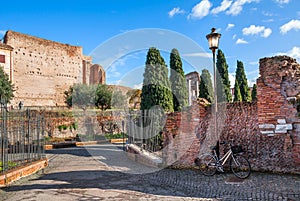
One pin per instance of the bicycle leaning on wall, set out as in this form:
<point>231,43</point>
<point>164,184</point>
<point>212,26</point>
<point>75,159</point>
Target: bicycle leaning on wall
<point>210,163</point>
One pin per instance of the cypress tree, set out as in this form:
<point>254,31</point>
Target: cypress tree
<point>242,81</point>
<point>223,82</point>
<point>156,88</point>
<point>237,93</point>
<point>205,86</point>
<point>178,82</point>
<point>254,92</point>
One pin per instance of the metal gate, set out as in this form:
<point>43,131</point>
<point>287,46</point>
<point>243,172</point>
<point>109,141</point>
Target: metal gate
<point>21,137</point>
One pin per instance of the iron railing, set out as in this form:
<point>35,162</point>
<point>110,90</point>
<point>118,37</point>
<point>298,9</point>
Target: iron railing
<point>144,129</point>
<point>21,137</point>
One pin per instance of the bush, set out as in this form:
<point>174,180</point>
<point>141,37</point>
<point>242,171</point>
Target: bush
<point>62,127</point>
<point>115,136</point>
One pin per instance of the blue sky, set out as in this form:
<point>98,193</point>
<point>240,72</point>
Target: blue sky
<point>251,29</point>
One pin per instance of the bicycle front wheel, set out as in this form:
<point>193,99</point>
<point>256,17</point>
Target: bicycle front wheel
<point>240,166</point>
<point>207,164</point>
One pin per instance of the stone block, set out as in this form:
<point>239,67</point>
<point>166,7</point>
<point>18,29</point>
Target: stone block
<point>266,126</point>
<point>280,131</point>
<point>267,132</point>
<point>284,127</point>
<point>281,121</point>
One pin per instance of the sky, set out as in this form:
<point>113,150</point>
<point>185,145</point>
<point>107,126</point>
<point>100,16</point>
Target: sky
<point>118,33</point>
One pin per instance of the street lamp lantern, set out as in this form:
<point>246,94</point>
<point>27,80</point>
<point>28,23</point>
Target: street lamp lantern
<point>213,39</point>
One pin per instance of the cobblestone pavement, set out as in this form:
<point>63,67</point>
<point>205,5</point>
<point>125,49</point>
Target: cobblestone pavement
<point>103,172</point>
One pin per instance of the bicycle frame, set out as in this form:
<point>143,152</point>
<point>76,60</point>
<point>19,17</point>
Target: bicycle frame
<point>224,158</point>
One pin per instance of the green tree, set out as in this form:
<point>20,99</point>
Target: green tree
<point>240,76</point>
<point>103,97</point>
<point>156,86</point>
<point>83,95</point>
<point>178,82</point>
<point>223,82</point>
<point>118,100</point>
<point>254,92</point>
<point>205,86</point>
<point>237,92</point>
<point>68,96</point>
<point>6,87</point>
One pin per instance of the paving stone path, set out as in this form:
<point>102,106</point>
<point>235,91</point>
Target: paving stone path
<point>103,172</point>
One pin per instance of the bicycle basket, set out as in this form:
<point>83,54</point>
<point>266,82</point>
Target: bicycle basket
<point>237,149</point>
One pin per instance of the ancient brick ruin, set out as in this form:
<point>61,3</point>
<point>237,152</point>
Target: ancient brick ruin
<point>268,130</point>
<point>42,70</point>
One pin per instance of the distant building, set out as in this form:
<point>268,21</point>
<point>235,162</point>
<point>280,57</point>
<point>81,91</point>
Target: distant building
<point>6,61</point>
<point>193,81</point>
<point>42,70</point>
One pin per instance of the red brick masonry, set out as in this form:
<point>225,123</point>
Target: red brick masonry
<point>269,129</point>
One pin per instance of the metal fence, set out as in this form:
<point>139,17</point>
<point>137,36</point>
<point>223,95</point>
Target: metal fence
<point>144,129</point>
<point>21,137</point>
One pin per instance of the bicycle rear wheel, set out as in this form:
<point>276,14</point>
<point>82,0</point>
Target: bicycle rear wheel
<point>240,166</point>
<point>207,164</point>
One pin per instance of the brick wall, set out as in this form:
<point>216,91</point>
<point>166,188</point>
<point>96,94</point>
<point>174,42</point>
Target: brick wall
<point>268,130</point>
<point>44,69</point>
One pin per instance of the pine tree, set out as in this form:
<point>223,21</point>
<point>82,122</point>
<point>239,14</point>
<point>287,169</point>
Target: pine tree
<point>205,86</point>
<point>254,92</point>
<point>156,88</point>
<point>223,82</point>
<point>242,81</point>
<point>178,82</point>
<point>237,92</point>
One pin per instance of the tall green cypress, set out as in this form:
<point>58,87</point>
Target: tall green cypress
<point>237,93</point>
<point>205,86</point>
<point>156,88</point>
<point>242,80</point>
<point>254,92</point>
<point>223,87</point>
<point>178,82</point>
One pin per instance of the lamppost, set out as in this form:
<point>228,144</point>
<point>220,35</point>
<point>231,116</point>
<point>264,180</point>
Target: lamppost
<point>213,42</point>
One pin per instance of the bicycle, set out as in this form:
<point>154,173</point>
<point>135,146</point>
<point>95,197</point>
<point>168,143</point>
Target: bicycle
<point>209,163</point>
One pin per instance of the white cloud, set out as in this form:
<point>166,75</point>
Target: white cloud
<point>255,30</point>
<point>269,20</point>
<point>282,1</point>
<point>237,7</point>
<point>138,86</point>
<point>268,14</point>
<point>224,6</point>
<point>267,32</point>
<point>229,26</point>
<point>241,41</point>
<point>200,54</point>
<point>234,36</point>
<point>175,11</point>
<point>254,63</point>
<point>200,10</point>
<point>293,24</point>
<point>294,53</point>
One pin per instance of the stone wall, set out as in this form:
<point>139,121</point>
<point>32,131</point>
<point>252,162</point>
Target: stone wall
<point>278,89</point>
<point>44,69</point>
<point>68,123</point>
<point>267,130</point>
